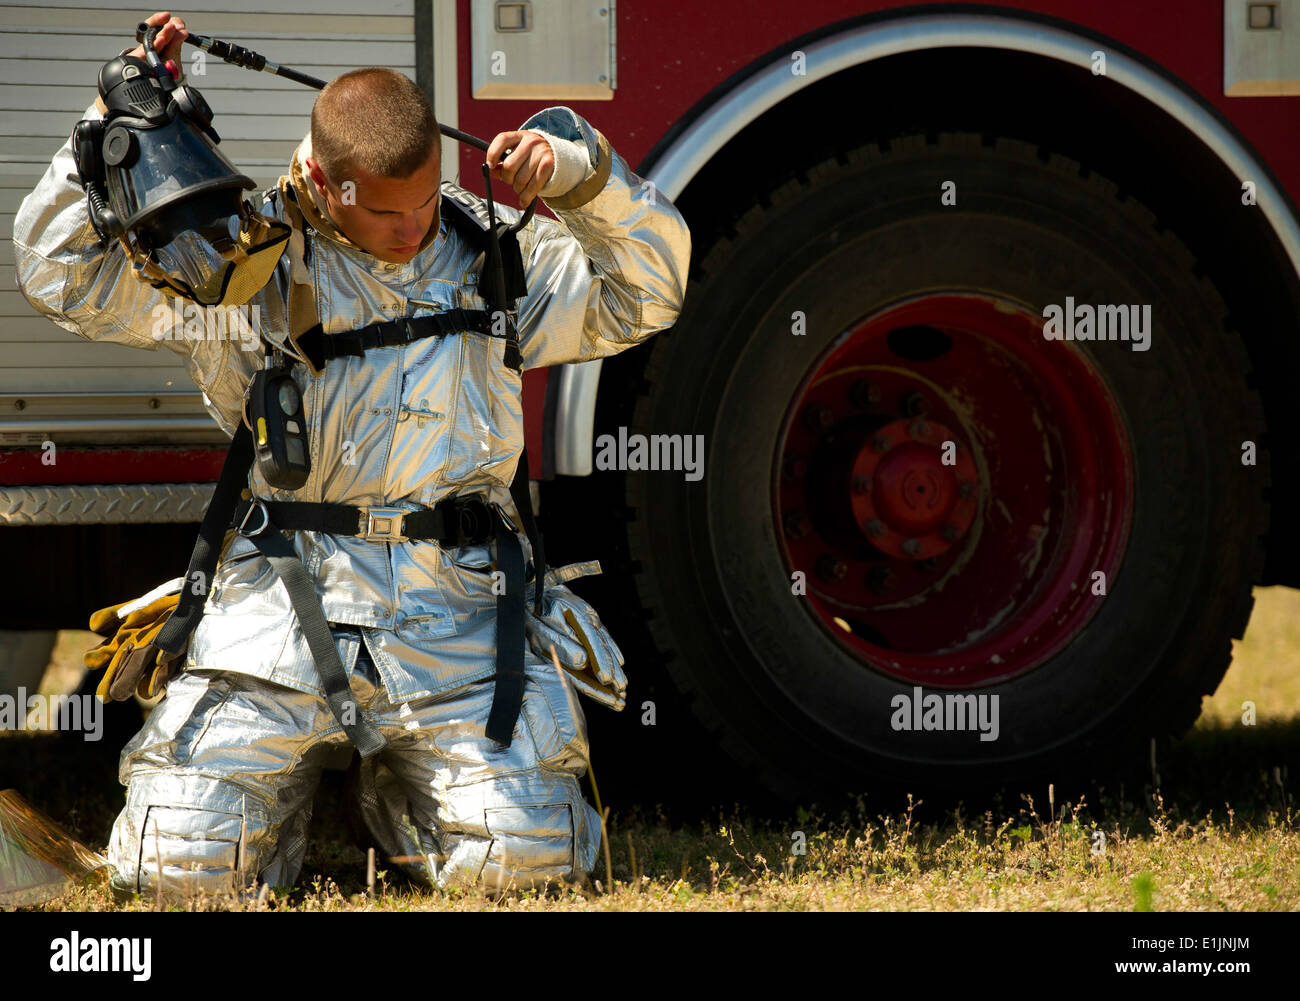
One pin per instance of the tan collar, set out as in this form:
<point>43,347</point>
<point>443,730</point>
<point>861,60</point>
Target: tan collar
<point>309,199</point>
<point>314,210</point>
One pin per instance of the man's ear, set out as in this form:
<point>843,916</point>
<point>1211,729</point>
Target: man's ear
<point>316,174</point>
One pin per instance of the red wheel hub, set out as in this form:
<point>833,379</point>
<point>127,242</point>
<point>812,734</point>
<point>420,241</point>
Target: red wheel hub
<point>950,482</point>
<point>913,489</point>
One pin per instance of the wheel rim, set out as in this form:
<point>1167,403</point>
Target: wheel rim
<point>950,482</point>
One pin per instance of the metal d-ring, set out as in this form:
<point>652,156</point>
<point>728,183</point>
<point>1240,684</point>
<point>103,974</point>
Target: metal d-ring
<point>257,505</point>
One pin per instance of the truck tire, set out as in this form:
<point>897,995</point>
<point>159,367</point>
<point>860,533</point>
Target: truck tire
<point>910,491</point>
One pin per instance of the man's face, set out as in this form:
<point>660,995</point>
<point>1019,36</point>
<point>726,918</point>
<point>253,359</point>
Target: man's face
<point>385,216</point>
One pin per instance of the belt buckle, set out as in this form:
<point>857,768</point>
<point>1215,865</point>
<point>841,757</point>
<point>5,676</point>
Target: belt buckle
<point>384,524</point>
<point>257,505</point>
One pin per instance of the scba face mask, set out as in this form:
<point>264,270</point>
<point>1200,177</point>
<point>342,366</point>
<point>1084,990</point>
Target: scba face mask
<point>156,181</point>
<point>216,270</point>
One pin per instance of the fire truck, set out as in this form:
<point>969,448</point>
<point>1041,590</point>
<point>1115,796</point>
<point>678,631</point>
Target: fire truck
<point>990,339</point>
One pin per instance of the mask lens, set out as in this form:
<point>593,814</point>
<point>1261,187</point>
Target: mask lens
<point>174,164</point>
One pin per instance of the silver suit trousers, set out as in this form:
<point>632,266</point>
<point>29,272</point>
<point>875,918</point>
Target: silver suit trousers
<point>220,783</point>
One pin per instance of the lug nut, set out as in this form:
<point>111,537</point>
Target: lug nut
<point>915,404</point>
<point>875,527</point>
<point>911,547</point>
<point>880,443</point>
<point>831,568</point>
<point>948,532</point>
<point>880,579</point>
<point>818,418</point>
<point>861,485</point>
<point>796,525</point>
<point>865,395</point>
<point>919,429</point>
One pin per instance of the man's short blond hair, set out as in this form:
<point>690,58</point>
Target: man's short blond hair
<point>375,119</point>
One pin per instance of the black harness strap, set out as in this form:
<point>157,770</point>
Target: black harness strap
<point>184,619</point>
<point>513,285</point>
<point>453,522</point>
<point>501,282</point>
<point>180,625</point>
<point>508,695</point>
<point>524,505</point>
<point>320,347</point>
<point>311,617</point>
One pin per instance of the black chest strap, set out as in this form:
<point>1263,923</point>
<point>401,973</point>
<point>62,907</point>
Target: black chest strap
<point>321,347</point>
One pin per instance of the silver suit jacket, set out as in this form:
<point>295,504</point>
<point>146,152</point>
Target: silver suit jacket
<point>402,427</point>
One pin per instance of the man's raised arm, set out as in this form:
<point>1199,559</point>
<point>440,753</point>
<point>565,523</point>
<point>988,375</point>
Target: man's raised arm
<point>618,275</point>
<point>64,272</point>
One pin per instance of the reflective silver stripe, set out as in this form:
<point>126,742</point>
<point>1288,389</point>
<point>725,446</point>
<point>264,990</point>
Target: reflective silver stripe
<point>576,417</point>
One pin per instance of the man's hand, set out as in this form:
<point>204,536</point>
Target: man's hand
<point>171,36</point>
<point>528,168</point>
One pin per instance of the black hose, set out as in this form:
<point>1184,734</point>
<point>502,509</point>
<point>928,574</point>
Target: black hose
<point>244,58</point>
<point>151,57</point>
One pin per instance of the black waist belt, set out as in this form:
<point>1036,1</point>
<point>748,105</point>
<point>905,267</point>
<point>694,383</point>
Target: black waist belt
<point>452,522</point>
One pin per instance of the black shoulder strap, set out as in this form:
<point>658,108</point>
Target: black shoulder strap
<point>476,233</point>
<point>462,219</point>
<point>501,282</point>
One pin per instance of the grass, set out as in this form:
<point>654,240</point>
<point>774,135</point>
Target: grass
<point>1222,833</point>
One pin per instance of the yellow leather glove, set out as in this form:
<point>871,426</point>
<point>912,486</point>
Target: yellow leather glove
<point>131,663</point>
<point>585,649</point>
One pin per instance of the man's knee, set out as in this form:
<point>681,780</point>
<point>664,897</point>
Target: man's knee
<point>202,835</point>
<point>524,847</point>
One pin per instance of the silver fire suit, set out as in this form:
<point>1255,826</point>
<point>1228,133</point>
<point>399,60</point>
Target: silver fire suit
<point>221,778</point>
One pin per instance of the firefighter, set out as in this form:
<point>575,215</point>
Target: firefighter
<point>221,778</point>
